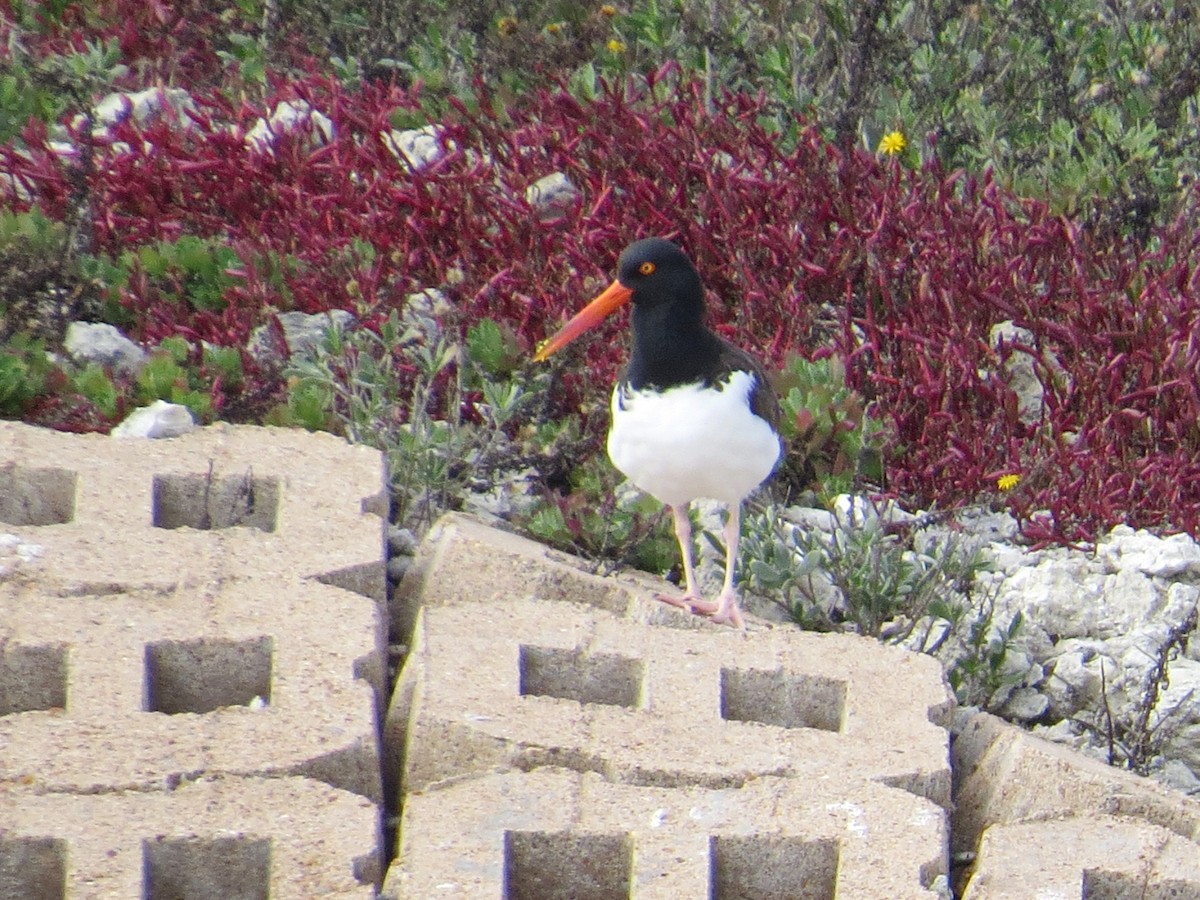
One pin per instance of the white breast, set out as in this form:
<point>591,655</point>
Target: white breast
<point>692,441</point>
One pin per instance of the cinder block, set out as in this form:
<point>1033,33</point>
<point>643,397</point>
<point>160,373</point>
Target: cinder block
<point>556,833</point>
<point>223,501</point>
<point>520,684</point>
<point>1004,776</point>
<point>646,752</point>
<point>192,664</point>
<point>1094,857</point>
<point>139,689</point>
<point>461,560</point>
<point>213,839</point>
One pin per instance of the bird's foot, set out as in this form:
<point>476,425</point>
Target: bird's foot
<point>726,611</point>
<point>691,602</point>
<point>723,611</point>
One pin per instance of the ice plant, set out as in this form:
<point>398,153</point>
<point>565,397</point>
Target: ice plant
<point>806,247</point>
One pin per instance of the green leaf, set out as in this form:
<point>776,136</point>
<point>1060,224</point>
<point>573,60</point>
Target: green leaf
<point>159,377</point>
<point>94,384</point>
<point>493,348</point>
<point>24,370</point>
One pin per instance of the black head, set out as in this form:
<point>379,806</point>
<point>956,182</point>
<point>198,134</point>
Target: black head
<point>658,273</point>
<point>668,306</point>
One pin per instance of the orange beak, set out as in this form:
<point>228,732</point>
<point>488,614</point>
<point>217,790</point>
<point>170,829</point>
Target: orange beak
<point>610,300</point>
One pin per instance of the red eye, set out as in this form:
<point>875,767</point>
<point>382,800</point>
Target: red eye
<point>646,268</point>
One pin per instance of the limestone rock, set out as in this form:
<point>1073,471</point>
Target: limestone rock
<point>290,116</point>
<point>158,420</point>
<point>94,342</point>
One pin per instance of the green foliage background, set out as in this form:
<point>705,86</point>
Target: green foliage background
<point>1090,104</point>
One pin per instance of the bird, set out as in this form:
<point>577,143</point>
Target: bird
<point>693,415</point>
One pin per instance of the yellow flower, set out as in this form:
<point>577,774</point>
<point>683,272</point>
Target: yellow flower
<point>508,26</point>
<point>615,46</point>
<point>608,10</point>
<point>1008,482</point>
<point>554,28</point>
<point>892,143</point>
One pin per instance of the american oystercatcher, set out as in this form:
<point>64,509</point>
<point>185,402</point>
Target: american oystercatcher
<point>692,415</point>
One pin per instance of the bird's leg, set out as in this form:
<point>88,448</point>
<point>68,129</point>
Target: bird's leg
<point>683,533</point>
<point>726,608</point>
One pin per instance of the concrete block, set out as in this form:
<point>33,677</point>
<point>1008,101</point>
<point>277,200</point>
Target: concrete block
<point>137,689</point>
<point>461,560</point>
<point>222,500</point>
<point>557,734</point>
<point>1094,857</point>
<point>1004,776</point>
<point>192,664</point>
<point>528,683</point>
<point>212,839</point>
<point>556,833</point>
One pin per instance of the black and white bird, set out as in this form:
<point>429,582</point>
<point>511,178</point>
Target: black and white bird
<point>693,416</point>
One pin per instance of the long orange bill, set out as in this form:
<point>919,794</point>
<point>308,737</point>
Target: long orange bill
<point>610,300</point>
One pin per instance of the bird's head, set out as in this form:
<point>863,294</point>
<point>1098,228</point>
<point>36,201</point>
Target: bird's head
<point>650,273</point>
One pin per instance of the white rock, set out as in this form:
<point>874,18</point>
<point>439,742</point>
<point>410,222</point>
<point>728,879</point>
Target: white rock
<point>302,332</point>
<point>552,194</point>
<point>1023,372</point>
<point>1020,372</point>
<point>419,147</point>
<point>856,509</point>
<point>1076,678</point>
<point>63,149</point>
<point>290,116</point>
<point>1053,595</point>
<point>143,106</point>
<point>158,420</point>
<point>94,342</point>
<point>505,497</point>
<point>1179,601</point>
<point>810,519</point>
<point>1176,774</point>
<point>423,313</point>
<point>989,526</point>
<point>1180,700</point>
<point>1149,554</point>
<point>1184,746</point>
<point>401,541</point>
<point>1062,732</point>
<point>1069,598</point>
<point>1005,559</point>
<point>1025,704</point>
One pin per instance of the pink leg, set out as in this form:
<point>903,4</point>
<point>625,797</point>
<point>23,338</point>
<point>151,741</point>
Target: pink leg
<point>726,609</point>
<point>683,533</point>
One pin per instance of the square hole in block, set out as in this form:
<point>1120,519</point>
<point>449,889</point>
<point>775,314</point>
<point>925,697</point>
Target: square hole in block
<point>208,502</point>
<point>31,496</point>
<point>227,868</point>
<point>567,866</point>
<point>786,699</point>
<point>571,675</point>
<point>202,675</point>
<point>33,868</point>
<point>32,677</point>
<point>772,867</point>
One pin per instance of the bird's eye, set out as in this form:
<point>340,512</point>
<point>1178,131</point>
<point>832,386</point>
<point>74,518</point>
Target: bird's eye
<point>646,268</point>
